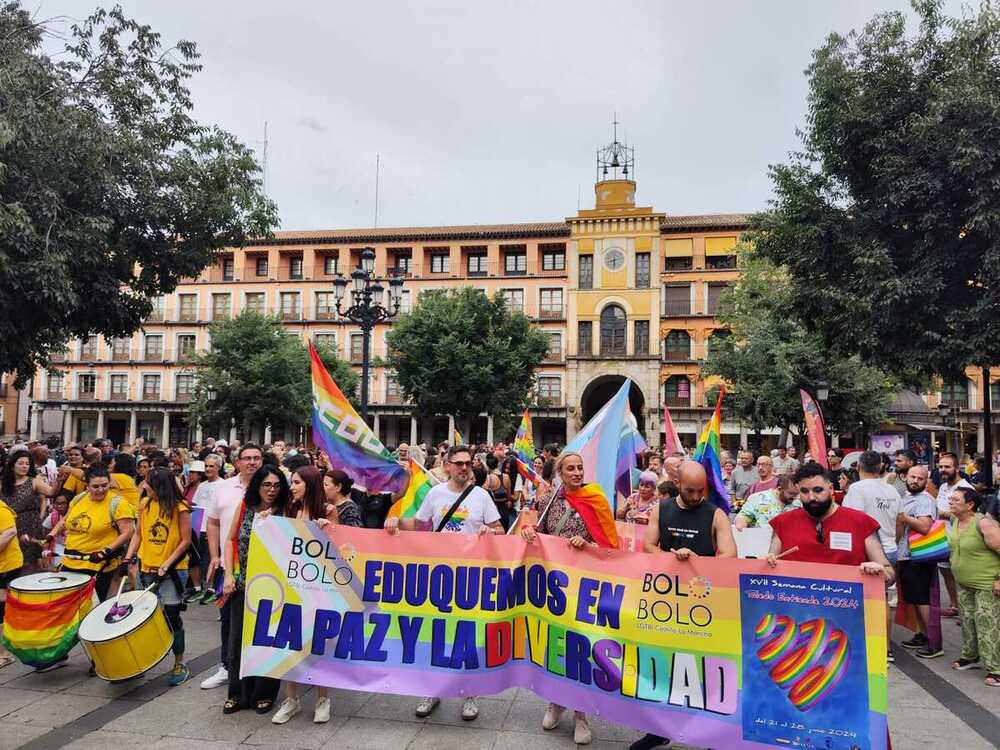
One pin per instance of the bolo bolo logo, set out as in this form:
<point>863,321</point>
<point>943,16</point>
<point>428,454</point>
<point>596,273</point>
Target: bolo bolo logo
<point>324,565</point>
<point>673,602</point>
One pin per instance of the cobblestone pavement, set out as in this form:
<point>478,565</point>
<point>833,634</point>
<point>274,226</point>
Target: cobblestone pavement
<point>929,706</point>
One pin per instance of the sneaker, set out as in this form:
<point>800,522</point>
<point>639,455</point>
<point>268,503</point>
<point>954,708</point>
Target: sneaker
<point>890,656</point>
<point>192,595</point>
<point>649,742</point>
<point>426,707</point>
<point>470,709</point>
<point>220,678</point>
<point>928,652</point>
<point>963,664</point>
<point>917,641</point>
<point>552,716</point>
<point>208,597</point>
<point>581,732</point>
<point>289,707</point>
<point>178,675</point>
<point>322,713</point>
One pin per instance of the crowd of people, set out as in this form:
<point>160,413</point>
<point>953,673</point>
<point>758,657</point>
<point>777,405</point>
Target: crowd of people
<point>180,520</point>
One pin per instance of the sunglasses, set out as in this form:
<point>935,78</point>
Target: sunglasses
<point>461,463</point>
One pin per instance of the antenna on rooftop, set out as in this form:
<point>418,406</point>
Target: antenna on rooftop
<point>263,160</point>
<point>377,165</point>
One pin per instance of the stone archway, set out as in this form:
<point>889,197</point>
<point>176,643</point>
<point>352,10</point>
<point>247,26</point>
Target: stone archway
<point>602,389</point>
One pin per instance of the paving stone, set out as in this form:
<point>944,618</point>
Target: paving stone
<point>11,699</point>
<point>103,739</point>
<point>55,710</point>
<point>373,735</point>
<point>14,735</point>
<point>300,733</point>
<point>443,737</point>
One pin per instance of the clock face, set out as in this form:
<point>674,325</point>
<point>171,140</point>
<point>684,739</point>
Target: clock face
<point>614,259</point>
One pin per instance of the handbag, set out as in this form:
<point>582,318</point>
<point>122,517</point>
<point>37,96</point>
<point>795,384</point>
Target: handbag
<point>932,546</point>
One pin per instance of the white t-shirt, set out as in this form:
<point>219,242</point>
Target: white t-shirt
<point>224,503</point>
<point>476,510</point>
<point>944,494</point>
<point>880,501</point>
<point>203,499</point>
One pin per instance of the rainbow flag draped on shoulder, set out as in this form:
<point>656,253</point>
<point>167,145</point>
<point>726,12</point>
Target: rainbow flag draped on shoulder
<point>420,484</point>
<point>346,439</point>
<point>595,511</point>
<point>708,452</point>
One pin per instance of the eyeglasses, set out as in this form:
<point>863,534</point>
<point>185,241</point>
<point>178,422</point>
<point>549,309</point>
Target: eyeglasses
<point>270,485</point>
<point>460,463</point>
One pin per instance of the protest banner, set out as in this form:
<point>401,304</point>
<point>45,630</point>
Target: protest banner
<point>715,653</point>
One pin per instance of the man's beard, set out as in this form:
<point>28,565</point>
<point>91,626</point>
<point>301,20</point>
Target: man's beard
<point>914,490</point>
<point>818,509</point>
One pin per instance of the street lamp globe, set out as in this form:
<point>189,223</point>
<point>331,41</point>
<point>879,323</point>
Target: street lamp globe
<point>822,390</point>
<point>359,277</point>
<point>339,287</point>
<point>368,260</point>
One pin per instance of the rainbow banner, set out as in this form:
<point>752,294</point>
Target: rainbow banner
<point>721,653</point>
<point>708,453</point>
<point>41,633</point>
<point>420,484</point>
<point>346,439</point>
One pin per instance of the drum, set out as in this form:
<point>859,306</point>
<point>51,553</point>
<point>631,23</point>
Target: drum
<point>43,613</point>
<point>126,639</point>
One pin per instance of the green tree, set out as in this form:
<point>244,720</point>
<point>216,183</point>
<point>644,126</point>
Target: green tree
<point>461,353</point>
<point>887,220</point>
<point>111,191</point>
<point>259,374</point>
<point>770,355</point>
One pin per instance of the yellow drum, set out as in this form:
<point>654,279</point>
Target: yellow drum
<point>44,611</point>
<point>128,638</point>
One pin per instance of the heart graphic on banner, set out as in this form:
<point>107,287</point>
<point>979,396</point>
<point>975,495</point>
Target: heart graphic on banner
<point>807,660</point>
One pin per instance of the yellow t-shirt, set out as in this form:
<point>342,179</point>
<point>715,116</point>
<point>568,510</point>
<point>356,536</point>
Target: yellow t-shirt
<point>73,486</point>
<point>10,556</point>
<point>89,528</point>
<point>126,487</point>
<point>159,536</point>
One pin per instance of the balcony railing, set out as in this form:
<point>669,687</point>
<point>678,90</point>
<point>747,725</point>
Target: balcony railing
<point>187,316</point>
<point>552,313</point>
<point>153,356</point>
<point>291,314</point>
<point>676,356</point>
<point>394,398</point>
<point>117,355</point>
<point>54,395</point>
<point>550,401</point>
<point>90,394</point>
<point>118,396</point>
<point>151,395</point>
<point>156,316</point>
<point>88,355</point>
<point>182,396</point>
<point>677,309</point>
<point>683,403</point>
<point>325,314</point>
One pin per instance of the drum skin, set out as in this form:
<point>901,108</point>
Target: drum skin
<point>131,646</point>
<point>42,588</point>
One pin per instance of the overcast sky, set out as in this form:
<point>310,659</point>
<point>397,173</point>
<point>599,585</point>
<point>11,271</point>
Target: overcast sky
<point>488,112</point>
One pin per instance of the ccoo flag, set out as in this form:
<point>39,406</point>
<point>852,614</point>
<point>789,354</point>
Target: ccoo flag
<point>347,440</point>
<point>707,453</point>
<point>599,440</point>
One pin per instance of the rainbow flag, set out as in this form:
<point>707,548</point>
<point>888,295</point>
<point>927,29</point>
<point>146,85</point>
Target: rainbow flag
<point>527,471</point>
<point>524,443</point>
<point>42,633</point>
<point>930,547</point>
<point>458,439</point>
<point>595,511</point>
<point>707,454</point>
<point>346,439</point>
<point>420,484</point>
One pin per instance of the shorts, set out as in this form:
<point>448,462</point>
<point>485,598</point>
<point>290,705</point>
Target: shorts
<point>8,576</point>
<point>167,592</point>
<point>915,581</point>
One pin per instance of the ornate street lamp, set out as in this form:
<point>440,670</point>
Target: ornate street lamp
<point>368,307</point>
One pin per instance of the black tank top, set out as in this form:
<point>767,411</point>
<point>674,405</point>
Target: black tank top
<point>691,528</point>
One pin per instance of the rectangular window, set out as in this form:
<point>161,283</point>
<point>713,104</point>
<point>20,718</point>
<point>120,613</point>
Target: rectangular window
<point>642,270</point>
<point>262,266</point>
<point>154,348</point>
<point>549,391</point>
<point>255,302</point>
<point>720,262</point>
<point>515,262</point>
<point>151,387</point>
<point>330,265</point>
<point>357,346</point>
<point>440,263</point>
<point>227,269</point>
<point>87,385</point>
<point>642,337</point>
<point>120,349</point>
<point>156,314</point>
<point>185,388</point>
<point>56,385</point>
<point>553,257</point>
<point>326,306</point>
<point>554,353</point>
<point>586,272</point>
<point>550,303</point>
<point>187,307</point>
<point>392,394</point>
<point>585,338</point>
<point>119,387</point>
<point>88,348</point>
<point>714,292</point>
<point>222,306</point>
<point>405,305</point>
<point>477,264</point>
<point>403,259</point>
<point>329,340</point>
<point>677,264</point>
<point>186,343</point>
<point>514,299</point>
<point>290,308</point>
<point>677,299</point>
<point>295,268</point>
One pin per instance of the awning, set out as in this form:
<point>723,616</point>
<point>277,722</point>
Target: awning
<point>678,248</point>
<point>930,427</point>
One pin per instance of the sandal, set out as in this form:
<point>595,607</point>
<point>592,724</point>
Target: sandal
<point>949,612</point>
<point>993,680</point>
<point>231,706</point>
<point>264,706</point>
<point>6,661</point>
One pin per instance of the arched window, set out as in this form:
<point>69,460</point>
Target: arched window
<point>677,391</point>
<point>613,330</point>
<point>717,337</point>
<point>677,345</point>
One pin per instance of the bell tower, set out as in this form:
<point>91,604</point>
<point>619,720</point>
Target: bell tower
<point>615,183</point>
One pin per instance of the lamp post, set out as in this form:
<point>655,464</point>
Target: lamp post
<point>368,307</point>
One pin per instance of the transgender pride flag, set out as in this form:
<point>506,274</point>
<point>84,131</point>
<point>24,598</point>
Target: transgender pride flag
<point>347,440</point>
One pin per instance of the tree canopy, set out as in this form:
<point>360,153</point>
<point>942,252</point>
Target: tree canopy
<point>770,355</point>
<point>260,374</point>
<point>887,219</point>
<point>461,353</point>
<point>110,191</point>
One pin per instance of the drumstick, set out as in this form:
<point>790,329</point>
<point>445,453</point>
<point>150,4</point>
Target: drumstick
<point>786,552</point>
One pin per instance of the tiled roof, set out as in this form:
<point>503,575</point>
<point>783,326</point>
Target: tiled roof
<point>705,221</point>
<point>408,234</point>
